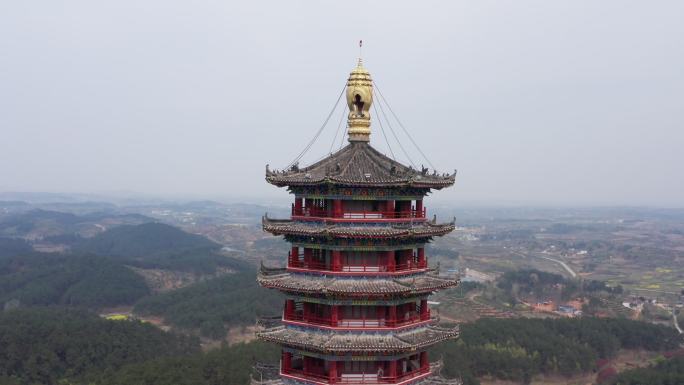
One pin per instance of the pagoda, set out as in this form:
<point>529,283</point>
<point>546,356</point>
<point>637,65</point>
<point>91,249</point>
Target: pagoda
<point>357,278</point>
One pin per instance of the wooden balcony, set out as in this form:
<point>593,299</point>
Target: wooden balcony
<point>409,319</point>
<point>322,214</point>
<point>356,378</point>
<point>297,264</point>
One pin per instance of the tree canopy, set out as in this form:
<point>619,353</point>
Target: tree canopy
<point>519,349</point>
<point>47,345</point>
<point>85,280</point>
<point>210,306</point>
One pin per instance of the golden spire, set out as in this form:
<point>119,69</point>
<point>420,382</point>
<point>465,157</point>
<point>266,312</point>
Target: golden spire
<point>359,100</point>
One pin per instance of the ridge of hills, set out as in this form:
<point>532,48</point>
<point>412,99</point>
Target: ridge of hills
<point>105,270</point>
<point>37,224</point>
<point>147,239</point>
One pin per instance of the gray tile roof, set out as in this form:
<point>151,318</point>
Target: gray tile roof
<point>359,164</point>
<point>395,231</point>
<point>350,342</point>
<point>352,286</point>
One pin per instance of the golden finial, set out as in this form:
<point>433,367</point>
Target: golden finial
<point>359,100</point>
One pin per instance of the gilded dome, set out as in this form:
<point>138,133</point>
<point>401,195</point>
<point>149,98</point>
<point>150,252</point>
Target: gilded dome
<point>359,100</point>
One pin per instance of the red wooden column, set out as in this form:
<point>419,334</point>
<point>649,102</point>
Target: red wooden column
<point>334,315</point>
<point>419,208</point>
<point>308,203</point>
<point>402,259</point>
<point>424,363</point>
<point>421,257</point>
<point>390,261</point>
<point>307,257</point>
<point>336,260</point>
<point>306,364</point>
<point>392,321</point>
<point>424,310</point>
<point>332,372</point>
<point>289,308</point>
<point>294,256</point>
<point>337,208</point>
<point>405,209</point>
<point>389,208</point>
<point>287,362</point>
<point>298,206</point>
<point>380,314</point>
<point>392,369</point>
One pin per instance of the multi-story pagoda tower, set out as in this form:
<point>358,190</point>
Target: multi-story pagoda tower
<point>357,279</point>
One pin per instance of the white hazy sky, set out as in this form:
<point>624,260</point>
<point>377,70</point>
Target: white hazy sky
<point>534,102</point>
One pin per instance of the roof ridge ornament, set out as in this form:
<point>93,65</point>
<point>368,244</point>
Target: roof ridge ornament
<point>359,100</point>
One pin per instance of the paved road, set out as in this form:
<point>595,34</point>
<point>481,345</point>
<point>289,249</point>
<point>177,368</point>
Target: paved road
<point>565,265</point>
<point>676,324</point>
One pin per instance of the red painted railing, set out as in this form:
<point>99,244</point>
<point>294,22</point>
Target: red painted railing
<point>317,212</point>
<point>322,266</point>
<point>357,323</point>
<point>353,269</point>
<point>356,378</point>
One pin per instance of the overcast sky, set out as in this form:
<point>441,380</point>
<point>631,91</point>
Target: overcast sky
<point>534,102</point>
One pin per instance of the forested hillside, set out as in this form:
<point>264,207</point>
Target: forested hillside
<point>13,246</point>
<point>147,239</point>
<point>97,272</point>
<point>233,300</point>
<point>515,350</point>
<point>519,349</point>
<point>86,280</point>
<point>226,366</point>
<point>669,372</point>
<point>49,345</point>
<point>159,246</point>
<point>45,345</point>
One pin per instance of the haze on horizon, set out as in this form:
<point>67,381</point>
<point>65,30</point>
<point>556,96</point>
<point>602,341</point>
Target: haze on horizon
<point>535,102</point>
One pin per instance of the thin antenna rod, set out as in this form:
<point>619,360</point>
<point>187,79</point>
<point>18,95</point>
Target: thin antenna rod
<point>339,126</point>
<point>401,125</point>
<point>382,128</point>
<point>308,146</point>
<point>389,124</point>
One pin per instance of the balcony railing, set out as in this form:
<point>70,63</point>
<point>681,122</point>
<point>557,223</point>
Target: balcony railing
<point>360,323</point>
<point>356,378</point>
<point>363,268</point>
<point>316,212</point>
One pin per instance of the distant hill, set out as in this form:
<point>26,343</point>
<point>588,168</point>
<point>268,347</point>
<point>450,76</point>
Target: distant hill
<point>97,272</point>
<point>86,280</point>
<point>40,224</point>
<point>145,240</point>
<point>160,246</point>
<point>27,220</point>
